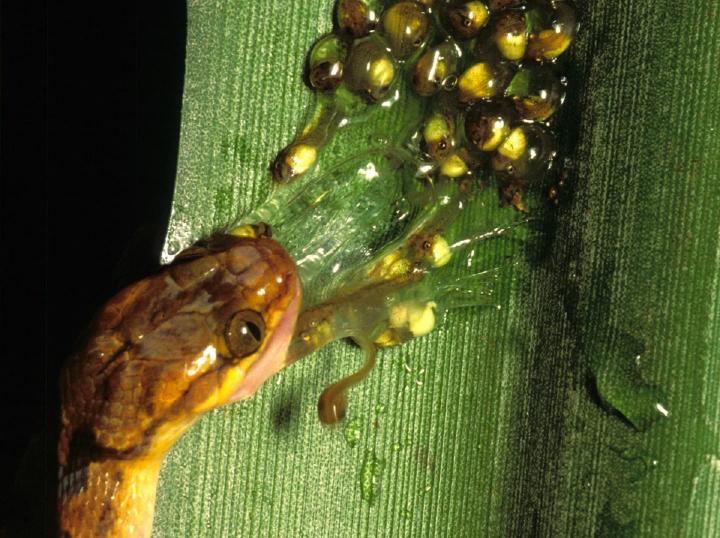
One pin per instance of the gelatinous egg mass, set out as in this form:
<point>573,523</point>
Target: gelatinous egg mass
<point>478,87</point>
<point>486,72</point>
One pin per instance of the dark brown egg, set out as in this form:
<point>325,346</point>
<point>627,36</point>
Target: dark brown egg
<point>483,80</point>
<point>293,161</point>
<point>438,136</point>
<point>536,92</point>
<point>406,27</point>
<point>487,125</point>
<point>357,18</point>
<point>528,152</point>
<point>510,34</point>
<point>553,30</point>
<point>326,63</point>
<point>370,70</point>
<point>466,19</point>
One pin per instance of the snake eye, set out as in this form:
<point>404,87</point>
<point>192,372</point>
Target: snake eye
<point>244,333</point>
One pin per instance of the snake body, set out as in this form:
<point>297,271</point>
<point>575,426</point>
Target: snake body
<point>204,332</point>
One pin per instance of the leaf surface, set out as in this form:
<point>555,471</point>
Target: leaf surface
<point>494,424</point>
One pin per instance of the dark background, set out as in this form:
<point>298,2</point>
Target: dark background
<point>91,99</point>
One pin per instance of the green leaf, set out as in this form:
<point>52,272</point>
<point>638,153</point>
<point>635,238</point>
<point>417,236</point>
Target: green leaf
<point>519,85</point>
<point>511,422</point>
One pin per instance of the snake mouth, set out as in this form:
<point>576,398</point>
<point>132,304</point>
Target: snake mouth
<point>272,358</point>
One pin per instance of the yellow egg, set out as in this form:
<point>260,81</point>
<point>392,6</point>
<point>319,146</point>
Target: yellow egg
<point>440,253</point>
<point>511,35</point>
<point>477,82</point>
<point>382,72</point>
<point>244,230</point>
<point>300,158</point>
<point>454,166</point>
<point>398,316</point>
<point>421,320</point>
<point>514,146</point>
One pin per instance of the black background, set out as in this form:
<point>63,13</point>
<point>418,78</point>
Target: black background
<point>91,97</point>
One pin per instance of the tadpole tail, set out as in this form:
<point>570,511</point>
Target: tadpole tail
<point>332,405</point>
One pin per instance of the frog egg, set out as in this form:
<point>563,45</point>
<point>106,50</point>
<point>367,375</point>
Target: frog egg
<point>527,153</point>
<point>418,318</point>
<point>510,34</point>
<point>356,17</point>
<point>438,252</point>
<point>293,161</point>
<point>553,30</point>
<point>326,63</point>
<point>487,125</point>
<point>393,265</point>
<point>437,136</point>
<point>244,230</point>
<point>421,318</point>
<point>466,19</point>
<point>398,316</point>
<point>406,27</point>
<point>370,70</point>
<point>514,145</point>
<point>391,337</point>
<point>482,80</point>
<point>536,92</point>
<point>435,69</point>
<point>483,48</point>
<point>454,166</point>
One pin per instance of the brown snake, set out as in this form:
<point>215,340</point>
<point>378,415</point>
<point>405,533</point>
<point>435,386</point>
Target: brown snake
<point>204,332</point>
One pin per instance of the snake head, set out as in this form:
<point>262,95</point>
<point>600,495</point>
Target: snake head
<point>206,331</point>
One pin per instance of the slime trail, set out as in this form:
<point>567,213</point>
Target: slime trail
<point>379,243</point>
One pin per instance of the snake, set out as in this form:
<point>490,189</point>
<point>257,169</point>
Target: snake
<point>204,332</point>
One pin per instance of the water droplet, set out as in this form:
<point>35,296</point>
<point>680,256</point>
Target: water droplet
<point>396,447</point>
<point>353,432</point>
<point>370,473</point>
